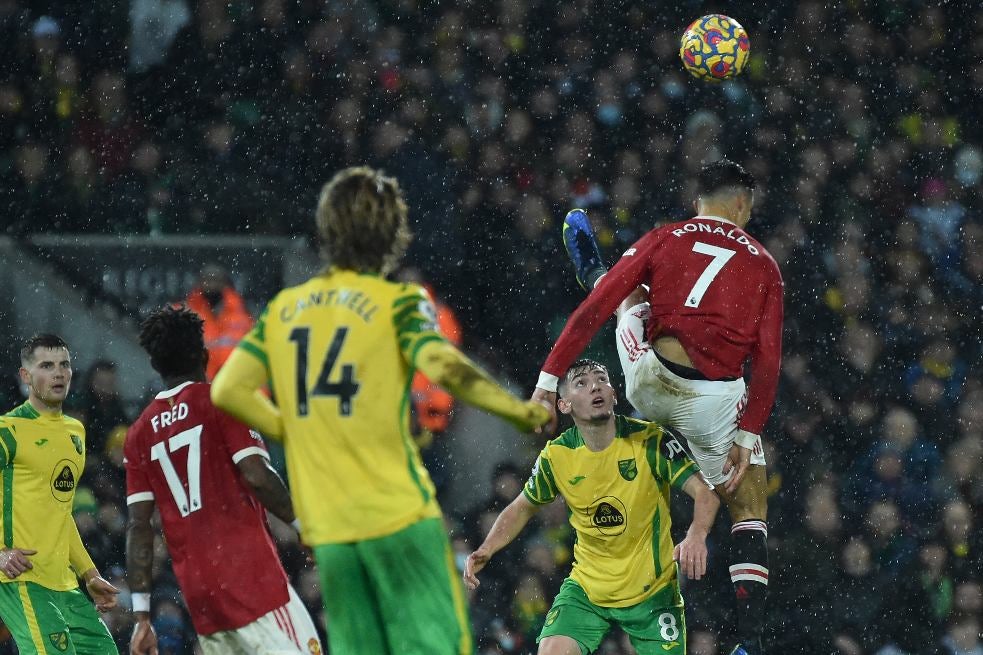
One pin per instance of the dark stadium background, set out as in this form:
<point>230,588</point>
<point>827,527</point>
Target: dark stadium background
<point>142,140</point>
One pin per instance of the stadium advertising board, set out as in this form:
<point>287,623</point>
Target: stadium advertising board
<point>137,274</point>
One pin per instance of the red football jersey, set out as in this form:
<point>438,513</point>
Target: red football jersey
<point>182,454</point>
<point>713,287</point>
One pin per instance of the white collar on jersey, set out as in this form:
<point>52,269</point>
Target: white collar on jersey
<point>169,393</point>
<point>717,218</point>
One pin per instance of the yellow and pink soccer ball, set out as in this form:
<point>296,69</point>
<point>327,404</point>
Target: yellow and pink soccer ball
<point>714,48</point>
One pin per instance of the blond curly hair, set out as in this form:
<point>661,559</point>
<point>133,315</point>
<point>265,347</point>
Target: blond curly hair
<point>362,221</point>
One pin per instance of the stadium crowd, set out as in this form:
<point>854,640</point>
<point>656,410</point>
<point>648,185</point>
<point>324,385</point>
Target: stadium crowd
<point>497,118</point>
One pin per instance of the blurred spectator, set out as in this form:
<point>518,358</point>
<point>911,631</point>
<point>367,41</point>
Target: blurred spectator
<point>892,548</point>
<point>809,552</point>
<point>702,642</point>
<point>100,405</point>
<point>109,129</point>
<point>940,220</point>
<point>27,189</point>
<point>154,25</point>
<point>926,593</point>
<point>960,540</point>
<point>963,636</point>
<point>224,311</point>
<point>857,612</point>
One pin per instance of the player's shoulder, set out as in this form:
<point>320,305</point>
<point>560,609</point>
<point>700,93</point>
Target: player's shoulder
<point>23,411</point>
<point>635,429</point>
<point>73,424</point>
<point>409,291</point>
<point>568,440</point>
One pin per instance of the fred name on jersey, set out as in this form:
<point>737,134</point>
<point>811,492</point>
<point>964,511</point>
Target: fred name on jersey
<point>351,299</point>
<point>168,417</point>
<point>734,234</point>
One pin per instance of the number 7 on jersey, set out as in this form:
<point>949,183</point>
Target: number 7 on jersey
<point>720,257</point>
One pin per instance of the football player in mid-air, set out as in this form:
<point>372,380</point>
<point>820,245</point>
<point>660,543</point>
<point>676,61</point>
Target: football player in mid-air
<point>615,474</point>
<point>210,478</point>
<point>714,300</point>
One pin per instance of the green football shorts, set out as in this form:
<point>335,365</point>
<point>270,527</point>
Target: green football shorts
<point>46,622</point>
<point>395,595</point>
<point>656,625</point>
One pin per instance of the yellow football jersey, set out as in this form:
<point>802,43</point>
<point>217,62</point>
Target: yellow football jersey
<point>42,458</point>
<point>339,351</point>
<point>619,507</point>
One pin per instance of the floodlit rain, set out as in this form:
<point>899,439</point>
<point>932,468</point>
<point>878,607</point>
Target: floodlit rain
<point>157,153</point>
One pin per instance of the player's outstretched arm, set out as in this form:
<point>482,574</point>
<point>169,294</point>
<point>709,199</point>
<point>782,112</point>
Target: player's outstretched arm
<point>444,364</point>
<point>139,574</point>
<point>268,486</point>
<point>506,528</point>
<point>691,552</point>
<point>236,390</point>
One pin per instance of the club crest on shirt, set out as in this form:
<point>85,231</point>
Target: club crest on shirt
<point>314,646</point>
<point>59,640</point>
<point>77,440</point>
<point>551,617</point>
<point>628,469</point>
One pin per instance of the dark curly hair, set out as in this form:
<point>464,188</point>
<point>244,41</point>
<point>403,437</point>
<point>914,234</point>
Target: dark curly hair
<point>173,336</point>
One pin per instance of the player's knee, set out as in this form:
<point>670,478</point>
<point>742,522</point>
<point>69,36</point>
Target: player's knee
<point>559,645</point>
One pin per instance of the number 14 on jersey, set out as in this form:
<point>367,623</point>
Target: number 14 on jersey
<point>345,389</point>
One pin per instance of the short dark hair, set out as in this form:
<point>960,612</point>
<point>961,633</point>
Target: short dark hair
<point>579,367</point>
<point>39,341</point>
<point>173,336</point>
<point>722,174</point>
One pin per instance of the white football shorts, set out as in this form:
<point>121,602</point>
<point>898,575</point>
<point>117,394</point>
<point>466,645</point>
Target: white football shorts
<point>287,630</point>
<point>705,412</point>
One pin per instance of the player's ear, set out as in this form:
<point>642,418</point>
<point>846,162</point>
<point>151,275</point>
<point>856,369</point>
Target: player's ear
<point>563,406</point>
<point>745,204</point>
<point>25,375</point>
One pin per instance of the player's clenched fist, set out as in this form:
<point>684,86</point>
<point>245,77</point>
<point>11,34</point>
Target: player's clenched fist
<point>535,416</point>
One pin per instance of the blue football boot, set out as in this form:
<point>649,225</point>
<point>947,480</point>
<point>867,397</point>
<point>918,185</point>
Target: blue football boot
<point>739,649</point>
<point>578,239</point>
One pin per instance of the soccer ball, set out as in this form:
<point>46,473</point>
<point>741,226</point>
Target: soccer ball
<point>714,48</point>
